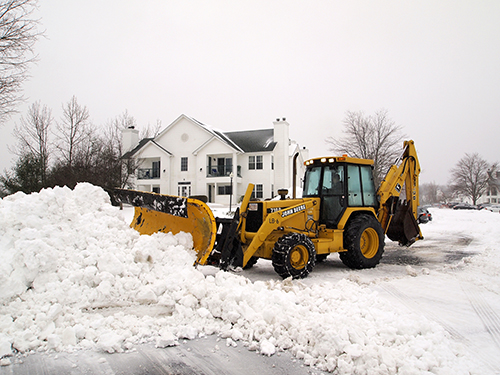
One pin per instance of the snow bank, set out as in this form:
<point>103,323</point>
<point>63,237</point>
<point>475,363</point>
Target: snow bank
<point>75,276</point>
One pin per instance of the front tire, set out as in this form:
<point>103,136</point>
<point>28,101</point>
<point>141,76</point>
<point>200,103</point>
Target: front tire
<point>251,262</point>
<point>294,256</point>
<point>364,241</point>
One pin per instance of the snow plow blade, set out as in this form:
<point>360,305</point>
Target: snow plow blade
<point>166,213</point>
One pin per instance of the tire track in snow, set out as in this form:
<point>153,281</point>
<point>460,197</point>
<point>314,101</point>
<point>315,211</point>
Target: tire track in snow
<point>414,307</point>
<point>484,311</point>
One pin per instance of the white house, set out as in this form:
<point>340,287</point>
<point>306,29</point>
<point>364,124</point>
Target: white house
<point>492,194</point>
<point>190,158</point>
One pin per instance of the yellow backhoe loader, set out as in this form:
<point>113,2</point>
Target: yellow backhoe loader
<point>340,211</point>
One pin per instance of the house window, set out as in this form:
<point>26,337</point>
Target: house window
<point>272,162</point>
<point>224,189</point>
<point>259,163</point>
<point>258,191</point>
<point>251,162</point>
<point>184,164</point>
<point>156,169</point>
<point>255,162</point>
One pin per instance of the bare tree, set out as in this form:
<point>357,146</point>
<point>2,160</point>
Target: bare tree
<point>151,131</point>
<point>429,193</point>
<point>470,177</point>
<point>114,146</point>
<point>32,135</point>
<point>113,130</point>
<point>18,34</point>
<point>73,131</point>
<point>374,137</point>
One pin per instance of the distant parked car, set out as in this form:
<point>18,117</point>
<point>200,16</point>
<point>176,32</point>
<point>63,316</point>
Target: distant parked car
<point>464,206</point>
<point>493,208</point>
<point>424,216</point>
<point>482,206</point>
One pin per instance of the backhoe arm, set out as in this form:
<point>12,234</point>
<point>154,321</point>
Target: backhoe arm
<point>398,217</point>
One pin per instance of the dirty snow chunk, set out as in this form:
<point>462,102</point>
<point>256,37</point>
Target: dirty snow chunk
<point>109,262</point>
<point>166,339</point>
<point>231,342</point>
<point>5,362</point>
<point>267,348</point>
<point>54,341</point>
<point>411,271</point>
<point>111,342</point>
<point>69,336</point>
<point>187,332</point>
<point>146,295</point>
<point>5,345</point>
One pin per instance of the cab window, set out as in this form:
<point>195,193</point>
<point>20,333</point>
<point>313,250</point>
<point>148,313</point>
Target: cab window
<point>361,188</point>
<point>311,183</point>
<point>354,186</point>
<point>369,192</point>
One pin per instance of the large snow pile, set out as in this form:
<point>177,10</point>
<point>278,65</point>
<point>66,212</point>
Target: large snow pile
<point>74,275</point>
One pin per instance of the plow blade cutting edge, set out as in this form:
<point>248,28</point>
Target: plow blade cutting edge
<point>165,213</point>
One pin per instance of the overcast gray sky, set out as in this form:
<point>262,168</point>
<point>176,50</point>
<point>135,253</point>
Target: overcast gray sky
<point>234,65</point>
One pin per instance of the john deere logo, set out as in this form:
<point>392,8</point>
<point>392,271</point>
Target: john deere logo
<point>293,210</point>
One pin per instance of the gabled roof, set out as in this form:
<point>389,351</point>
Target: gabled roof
<point>253,140</point>
<point>218,134</point>
<point>143,143</point>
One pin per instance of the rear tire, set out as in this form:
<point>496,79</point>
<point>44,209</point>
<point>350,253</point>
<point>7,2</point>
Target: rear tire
<point>294,256</point>
<point>364,241</point>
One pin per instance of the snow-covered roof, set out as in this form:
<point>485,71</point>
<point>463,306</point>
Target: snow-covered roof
<point>253,140</point>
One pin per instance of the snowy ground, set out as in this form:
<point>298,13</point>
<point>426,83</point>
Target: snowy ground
<point>80,291</point>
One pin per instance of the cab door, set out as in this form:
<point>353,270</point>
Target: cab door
<point>328,183</point>
<point>333,201</point>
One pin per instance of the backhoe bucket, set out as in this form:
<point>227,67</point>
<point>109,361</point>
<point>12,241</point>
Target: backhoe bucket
<point>165,213</point>
<point>403,226</point>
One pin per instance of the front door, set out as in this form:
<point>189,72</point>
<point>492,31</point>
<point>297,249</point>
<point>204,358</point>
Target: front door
<point>184,189</point>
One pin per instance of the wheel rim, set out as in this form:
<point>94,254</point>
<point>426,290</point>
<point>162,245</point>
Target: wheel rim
<point>299,257</point>
<point>369,243</point>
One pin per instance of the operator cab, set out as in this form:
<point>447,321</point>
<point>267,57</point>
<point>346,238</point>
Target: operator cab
<point>340,182</point>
